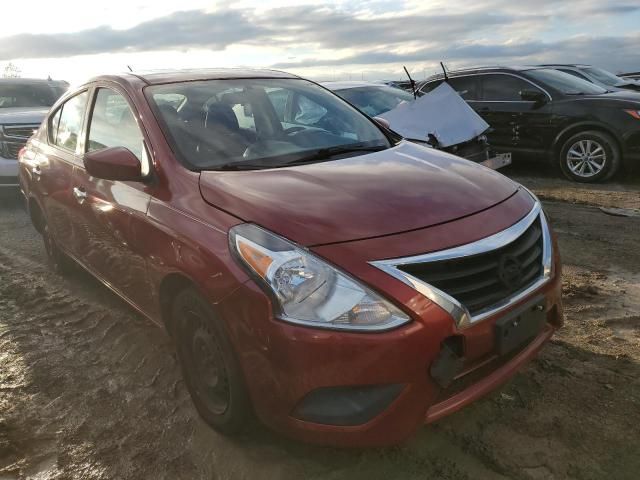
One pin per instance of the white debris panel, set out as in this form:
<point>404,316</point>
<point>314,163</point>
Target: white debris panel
<point>441,112</point>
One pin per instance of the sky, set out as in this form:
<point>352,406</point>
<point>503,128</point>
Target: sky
<point>332,40</point>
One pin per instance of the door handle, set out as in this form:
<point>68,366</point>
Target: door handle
<point>80,194</point>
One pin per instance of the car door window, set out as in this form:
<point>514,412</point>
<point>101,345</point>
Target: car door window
<point>278,98</point>
<point>503,88</point>
<point>67,123</point>
<point>113,124</point>
<point>467,87</point>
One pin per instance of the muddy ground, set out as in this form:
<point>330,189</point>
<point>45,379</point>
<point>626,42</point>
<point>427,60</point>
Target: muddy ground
<point>88,389</point>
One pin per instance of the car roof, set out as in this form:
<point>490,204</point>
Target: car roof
<point>156,77</point>
<point>488,69</point>
<point>351,84</point>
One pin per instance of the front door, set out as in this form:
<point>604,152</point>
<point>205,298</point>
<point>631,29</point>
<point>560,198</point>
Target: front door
<point>517,124</point>
<point>52,172</point>
<point>114,211</point>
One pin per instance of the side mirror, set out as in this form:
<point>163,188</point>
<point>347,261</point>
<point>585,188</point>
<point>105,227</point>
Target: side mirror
<point>533,96</point>
<point>115,163</point>
<point>382,122</point>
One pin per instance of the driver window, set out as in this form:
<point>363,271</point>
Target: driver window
<point>503,88</point>
<point>113,124</point>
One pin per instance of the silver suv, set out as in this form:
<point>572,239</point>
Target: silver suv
<point>23,105</point>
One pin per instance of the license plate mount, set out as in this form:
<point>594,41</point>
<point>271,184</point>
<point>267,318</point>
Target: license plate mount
<point>497,162</point>
<point>515,329</point>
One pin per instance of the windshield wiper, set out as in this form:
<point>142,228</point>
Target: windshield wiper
<point>317,156</point>
<point>330,152</point>
<point>241,166</point>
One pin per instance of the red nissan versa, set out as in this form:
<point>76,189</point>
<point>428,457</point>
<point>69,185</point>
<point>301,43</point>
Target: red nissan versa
<point>343,284</point>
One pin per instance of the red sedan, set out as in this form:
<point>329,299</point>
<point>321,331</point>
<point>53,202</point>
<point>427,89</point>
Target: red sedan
<point>312,267</point>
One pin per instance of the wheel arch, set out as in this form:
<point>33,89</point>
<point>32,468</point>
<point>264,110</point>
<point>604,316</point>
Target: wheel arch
<point>172,284</point>
<point>571,130</point>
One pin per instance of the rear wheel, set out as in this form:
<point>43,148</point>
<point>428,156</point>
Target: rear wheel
<point>589,157</point>
<point>57,259</point>
<point>210,369</point>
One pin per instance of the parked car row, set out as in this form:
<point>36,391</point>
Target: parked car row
<point>440,119</point>
<point>23,105</point>
<point>590,132</point>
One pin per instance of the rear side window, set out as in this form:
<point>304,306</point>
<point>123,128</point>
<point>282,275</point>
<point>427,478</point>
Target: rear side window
<point>113,124</point>
<point>66,123</point>
<point>503,88</point>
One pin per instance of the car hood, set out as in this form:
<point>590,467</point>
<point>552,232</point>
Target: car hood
<point>33,115</point>
<point>403,188</point>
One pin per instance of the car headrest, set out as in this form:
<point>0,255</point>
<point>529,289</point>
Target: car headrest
<point>221,115</point>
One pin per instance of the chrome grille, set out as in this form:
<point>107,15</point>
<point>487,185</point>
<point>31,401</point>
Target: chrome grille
<point>462,280</point>
<point>480,281</point>
<point>23,132</point>
<point>14,137</point>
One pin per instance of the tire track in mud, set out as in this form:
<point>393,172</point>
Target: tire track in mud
<point>75,361</point>
<point>88,389</point>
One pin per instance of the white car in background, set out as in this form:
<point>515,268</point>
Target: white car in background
<point>441,118</point>
<point>23,105</point>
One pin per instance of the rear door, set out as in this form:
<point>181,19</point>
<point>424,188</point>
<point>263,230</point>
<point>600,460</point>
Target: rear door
<point>517,124</point>
<point>52,171</point>
<point>114,212</point>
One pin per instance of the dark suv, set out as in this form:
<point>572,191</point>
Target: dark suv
<point>552,115</point>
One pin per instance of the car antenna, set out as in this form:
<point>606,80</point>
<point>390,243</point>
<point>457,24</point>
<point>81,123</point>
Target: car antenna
<point>412,82</point>
<point>444,70</point>
<point>130,69</point>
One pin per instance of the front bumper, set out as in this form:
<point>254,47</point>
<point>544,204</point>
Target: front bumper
<point>8,172</point>
<point>285,365</point>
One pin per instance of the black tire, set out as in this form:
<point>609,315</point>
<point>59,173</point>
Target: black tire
<point>211,371</point>
<point>58,261</point>
<point>590,157</point>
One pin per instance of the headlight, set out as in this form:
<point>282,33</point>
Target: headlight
<point>306,289</point>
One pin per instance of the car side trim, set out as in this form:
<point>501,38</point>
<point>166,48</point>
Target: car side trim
<point>452,306</point>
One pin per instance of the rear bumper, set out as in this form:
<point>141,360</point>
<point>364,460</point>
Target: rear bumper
<point>8,172</point>
<point>500,160</point>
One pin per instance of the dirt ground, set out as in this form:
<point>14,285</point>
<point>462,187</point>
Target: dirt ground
<point>90,390</point>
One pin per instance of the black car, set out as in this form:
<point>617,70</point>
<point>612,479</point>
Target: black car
<point>549,114</point>
<point>599,76</point>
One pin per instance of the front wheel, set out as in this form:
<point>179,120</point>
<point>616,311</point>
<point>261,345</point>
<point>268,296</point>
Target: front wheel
<point>590,157</point>
<point>212,374</point>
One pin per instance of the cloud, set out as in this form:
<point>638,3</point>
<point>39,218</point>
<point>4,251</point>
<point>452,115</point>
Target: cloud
<point>370,33</point>
<point>322,27</point>
<point>589,50</point>
<point>180,30</point>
